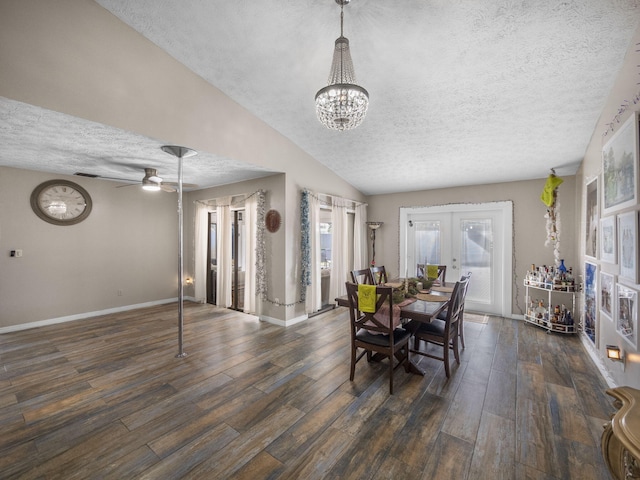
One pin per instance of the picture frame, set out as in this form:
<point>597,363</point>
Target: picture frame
<point>608,240</point>
<point>606,298</point>
<point>590,300</point>
<point>620,168</point>
<point>627,314</point>
<point>592,219</point>
<point>628,246</point>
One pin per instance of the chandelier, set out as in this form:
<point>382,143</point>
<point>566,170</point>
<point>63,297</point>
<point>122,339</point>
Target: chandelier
<point>342,105</point>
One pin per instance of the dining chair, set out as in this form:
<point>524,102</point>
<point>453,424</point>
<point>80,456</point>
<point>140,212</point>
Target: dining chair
<point>379,275</point>
<point>442,333</point>
<point>371,333</point>
<point>464,297</point>
<point>437,273</point>
<point>362,276</point>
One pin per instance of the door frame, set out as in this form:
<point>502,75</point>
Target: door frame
<point>505,261</point>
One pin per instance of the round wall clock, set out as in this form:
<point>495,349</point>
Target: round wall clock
<point>61,202</point>
<point>272,221</point>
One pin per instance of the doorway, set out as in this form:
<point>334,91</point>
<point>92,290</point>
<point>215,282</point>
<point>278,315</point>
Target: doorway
<point>237,259</point>
<point>473,238</point>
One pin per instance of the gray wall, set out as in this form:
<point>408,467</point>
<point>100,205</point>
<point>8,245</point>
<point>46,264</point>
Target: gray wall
<point>128,243</point>
<point>528,223</point>
<point>625,89</point>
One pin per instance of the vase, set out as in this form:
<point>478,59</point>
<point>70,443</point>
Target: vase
<point>562,268</point>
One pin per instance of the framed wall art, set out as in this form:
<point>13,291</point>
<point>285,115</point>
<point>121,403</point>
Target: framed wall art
<point>627,314</point>
<point>628,245</point>
<point>608,244</point>
<point>590,300</point>
<point>607,296</point>
<point>593,216</point>
<point>620,168</point>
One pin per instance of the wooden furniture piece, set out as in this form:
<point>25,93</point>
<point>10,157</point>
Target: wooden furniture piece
<point>443,333</point>
<point>549,317</point>
<point>379,275</point>
<point>621,436</point>
<point>372,335</point>
<point>362,276</point>
<point>461,321</point>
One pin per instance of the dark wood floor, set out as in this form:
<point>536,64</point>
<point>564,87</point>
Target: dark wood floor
<point>106,398</point>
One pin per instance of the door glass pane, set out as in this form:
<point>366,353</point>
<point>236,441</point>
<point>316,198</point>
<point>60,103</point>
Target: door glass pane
<point>427,242</point>
<point>476,257</point>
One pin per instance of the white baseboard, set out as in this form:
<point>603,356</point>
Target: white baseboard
<point>597,360</point>
<point>284,323</point>
<point>81,316</point>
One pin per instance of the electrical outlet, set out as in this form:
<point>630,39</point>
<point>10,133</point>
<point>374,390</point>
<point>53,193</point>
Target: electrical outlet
<point>18,253</point>
<point>119,292</point>
<point>276,301</point>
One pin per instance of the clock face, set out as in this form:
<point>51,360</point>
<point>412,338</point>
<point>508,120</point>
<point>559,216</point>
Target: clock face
<point>61,202</point>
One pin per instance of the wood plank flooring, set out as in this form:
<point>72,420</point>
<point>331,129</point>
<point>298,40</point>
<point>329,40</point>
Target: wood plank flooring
<point>106,398</point>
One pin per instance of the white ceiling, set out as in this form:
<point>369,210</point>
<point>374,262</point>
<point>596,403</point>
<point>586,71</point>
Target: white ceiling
<point>461,92</point>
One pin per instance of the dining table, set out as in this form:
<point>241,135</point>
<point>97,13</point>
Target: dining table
<point>425,307</point>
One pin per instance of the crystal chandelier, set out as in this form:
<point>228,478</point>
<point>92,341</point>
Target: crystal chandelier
<point>342,105</point>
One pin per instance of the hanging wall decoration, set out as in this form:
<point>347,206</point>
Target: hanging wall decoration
<point>305,245</point>
<point>592,219</point>
<point>261,276</point>
<point>549,197</point>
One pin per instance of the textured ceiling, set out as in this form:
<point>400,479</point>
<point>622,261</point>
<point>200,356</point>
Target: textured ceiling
<point>462,92</point>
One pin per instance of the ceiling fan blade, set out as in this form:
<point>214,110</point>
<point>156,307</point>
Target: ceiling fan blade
<point>167,188</point>
<point>184,185</point>
<point>92,175</point>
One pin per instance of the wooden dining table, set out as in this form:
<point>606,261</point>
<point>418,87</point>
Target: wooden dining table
<point>419,310</point>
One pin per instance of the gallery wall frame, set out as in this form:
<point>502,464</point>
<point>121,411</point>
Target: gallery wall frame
<point>590,300</point>
<point>592,219</point>
<point>628,245</point>
<point>620,167</point>
<point>627,314</point>
<point>606,297</point>
<point>608,240</point>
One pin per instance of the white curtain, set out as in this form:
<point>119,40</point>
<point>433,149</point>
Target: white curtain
<point>223,278</point>
<point>201,269</point>
<point>339,248</point>
<point>250,225</point>
<point>360,242</point>
<point>314,293</point>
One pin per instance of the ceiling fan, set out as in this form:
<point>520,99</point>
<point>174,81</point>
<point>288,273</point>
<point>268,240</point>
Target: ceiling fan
<point>151,181</point>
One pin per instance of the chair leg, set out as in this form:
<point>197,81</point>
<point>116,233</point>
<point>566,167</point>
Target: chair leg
<point>447,368</point>
<point>461,331</point>
<point>391,374</point>
<point>456,352</point>
<point>353,362</point>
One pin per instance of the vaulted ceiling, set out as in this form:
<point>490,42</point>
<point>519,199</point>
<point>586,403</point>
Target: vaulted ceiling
<point>461,92</point>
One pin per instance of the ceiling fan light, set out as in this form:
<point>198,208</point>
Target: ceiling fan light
<point>150,186</point>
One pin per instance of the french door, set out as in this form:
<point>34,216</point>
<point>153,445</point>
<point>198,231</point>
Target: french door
<point>466,238</point>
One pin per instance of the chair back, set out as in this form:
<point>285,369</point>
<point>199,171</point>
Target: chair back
<point>368,320</point>
<point>422,271</point>
<point>456,305</point>
<point>379,275</point>
<point>362,276</point>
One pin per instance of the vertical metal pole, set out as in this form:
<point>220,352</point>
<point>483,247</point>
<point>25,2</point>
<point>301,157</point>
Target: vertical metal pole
<point>180,152</point>
<point>181,352</point>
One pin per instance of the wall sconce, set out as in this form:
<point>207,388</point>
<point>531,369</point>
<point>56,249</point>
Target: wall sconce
<point>614,353</point>
<point>188,281</point>
<point>373,226</point>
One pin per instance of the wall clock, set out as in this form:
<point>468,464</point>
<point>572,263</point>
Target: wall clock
<point>61,202</point>
<point>272,221</point>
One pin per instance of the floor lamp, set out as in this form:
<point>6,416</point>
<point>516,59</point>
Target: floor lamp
<point>180,152</point>
<point>374,226</point>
